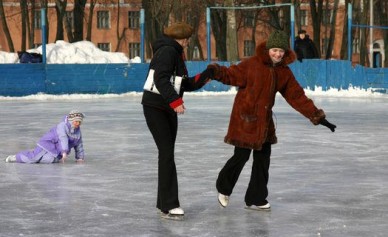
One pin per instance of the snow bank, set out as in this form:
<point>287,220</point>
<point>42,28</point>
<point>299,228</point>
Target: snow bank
<point>61,52</point>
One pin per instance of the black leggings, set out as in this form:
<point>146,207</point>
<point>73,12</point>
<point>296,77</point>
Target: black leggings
<point>257,191</point>
<point>163,126</point>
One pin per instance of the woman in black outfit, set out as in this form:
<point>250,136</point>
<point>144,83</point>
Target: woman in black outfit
<point>161,109</point>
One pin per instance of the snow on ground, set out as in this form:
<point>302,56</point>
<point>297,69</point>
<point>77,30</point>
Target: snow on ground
<point>317,92</point>
<point>85,52</point>
<point>82,52</point>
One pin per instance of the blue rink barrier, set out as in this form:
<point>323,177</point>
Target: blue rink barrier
<point>29,79</point>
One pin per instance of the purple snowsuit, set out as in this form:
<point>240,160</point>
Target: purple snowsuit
<point>53,144</point>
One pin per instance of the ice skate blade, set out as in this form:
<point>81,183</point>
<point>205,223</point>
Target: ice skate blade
<point>10,159</point>
<point>255,208</point>
<point>172,217</point>
<point>221,206</point>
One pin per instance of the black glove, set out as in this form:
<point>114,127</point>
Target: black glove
<point>215,69</point>
<point>200,80</point>
<point>208,73</point>
<point>326,123</point>
<point>300,60</point>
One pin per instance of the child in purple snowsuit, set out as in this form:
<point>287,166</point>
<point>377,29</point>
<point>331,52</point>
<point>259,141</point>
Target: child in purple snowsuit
<point>56,144</point>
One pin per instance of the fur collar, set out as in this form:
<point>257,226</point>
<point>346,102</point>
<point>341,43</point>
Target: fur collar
<point>262,54</point>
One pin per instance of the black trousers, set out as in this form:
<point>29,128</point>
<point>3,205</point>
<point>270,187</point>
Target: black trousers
<point>257,191</point>
<point>164,126</point>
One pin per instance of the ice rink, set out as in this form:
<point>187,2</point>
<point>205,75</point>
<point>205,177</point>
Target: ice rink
<point>321,183</point>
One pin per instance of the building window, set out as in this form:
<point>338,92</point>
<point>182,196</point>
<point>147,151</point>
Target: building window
<point>103,20</point>
<point>134,19</point>
<point>249,19</point>
<point>37,20</point>
<point>303,18</point>
<point>249,48</point>
<point>104,46</point>
<point>356,46</point>
<point>134,50</point>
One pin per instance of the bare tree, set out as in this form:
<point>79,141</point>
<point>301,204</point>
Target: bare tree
<point>191,12</point>
<point>120,31</point>
<point>332,30</point>
<point>276,17</point>
<point>194,13</point>
<point>5,28</point>
<point>60,8</point>
<point>231,32</point>
<point>382,19</point>
<point>79,12</point>
<point>316,9</point>
<point>157,14</point>
<point>31,25</point>
<point>92,5</point>
<point>298,17</point>
<point>24,20</point>
<point>218,26</point>
<point>363,19</point>
<point>344,45</point>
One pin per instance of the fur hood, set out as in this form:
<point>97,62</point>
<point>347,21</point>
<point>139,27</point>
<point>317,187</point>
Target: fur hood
<point>258,80</point>
<point>262,53</point>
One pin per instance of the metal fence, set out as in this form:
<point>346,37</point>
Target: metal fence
<point>29,79</point>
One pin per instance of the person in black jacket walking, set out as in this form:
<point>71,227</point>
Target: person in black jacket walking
<point>161,107</point>
<point>304,47</point>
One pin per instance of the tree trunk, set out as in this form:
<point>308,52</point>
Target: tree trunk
<point>298,20</point>
<point>364,35</point>
<point>253,39</point>
<point>118,37</point>
<point>156,17</point>
<point>332,31</point>
<point>24,14</point>
<point>30,34</point>
<point>218,26</point>
<point>5,28</point>
<point>382,20</point>
<point>90,20</point>
<point>231,34</point>
<point>60,8</point>
<point>345,43</point>
<point>316,15</point>
<point>79,7</point>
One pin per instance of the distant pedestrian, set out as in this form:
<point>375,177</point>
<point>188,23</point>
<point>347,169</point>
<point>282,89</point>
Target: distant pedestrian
<point>305,47</point>
<point>162,101</point>
<point>251,126</point>
<point>56,144</point>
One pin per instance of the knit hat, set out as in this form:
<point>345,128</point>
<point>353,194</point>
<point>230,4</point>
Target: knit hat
<point>278,39</point>
<point>179,30</point>
<point>75,115</point>
<point>301,32</point>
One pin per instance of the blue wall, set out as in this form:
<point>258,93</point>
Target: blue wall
<point>28,79</point>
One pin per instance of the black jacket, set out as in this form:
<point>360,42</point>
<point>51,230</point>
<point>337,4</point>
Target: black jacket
<point>168,60</point>
<point>305,48</point>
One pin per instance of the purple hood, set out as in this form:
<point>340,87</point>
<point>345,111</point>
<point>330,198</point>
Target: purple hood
<point>62,138</point>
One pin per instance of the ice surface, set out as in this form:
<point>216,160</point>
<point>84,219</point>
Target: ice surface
<point>321,183</point>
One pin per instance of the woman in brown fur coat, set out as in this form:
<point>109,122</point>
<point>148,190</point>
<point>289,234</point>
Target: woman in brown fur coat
<point>251,126</point>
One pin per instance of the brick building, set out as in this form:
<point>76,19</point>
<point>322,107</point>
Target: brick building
<point>118,29</point>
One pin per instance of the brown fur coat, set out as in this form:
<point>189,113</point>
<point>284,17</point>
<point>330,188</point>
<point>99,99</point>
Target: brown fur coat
<point>258,81</point>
